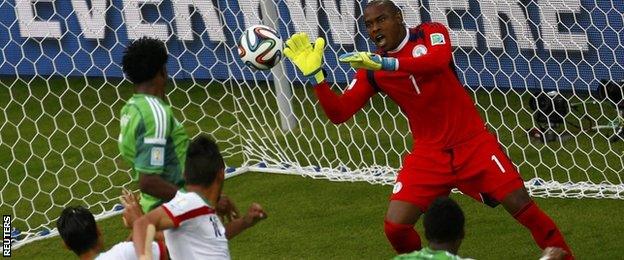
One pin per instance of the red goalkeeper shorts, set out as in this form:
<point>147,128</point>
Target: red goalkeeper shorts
<point>479,168</point>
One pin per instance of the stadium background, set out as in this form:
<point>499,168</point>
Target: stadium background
<point>201,58</point>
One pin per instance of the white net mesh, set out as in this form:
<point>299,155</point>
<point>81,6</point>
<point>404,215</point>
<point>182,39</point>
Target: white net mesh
<point>62,88</point>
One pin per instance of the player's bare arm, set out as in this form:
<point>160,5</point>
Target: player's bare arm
<point>156,186</point>
<point>226,209</point>
<point>157,217</point>
<point>132,209</point>
<point>253,216</point>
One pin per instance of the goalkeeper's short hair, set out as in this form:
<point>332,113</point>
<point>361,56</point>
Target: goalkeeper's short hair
<point>203,161</point>
<point>386,3</point>
<point>143,59</point>
<point>444,221</point>
<point>77,227</point>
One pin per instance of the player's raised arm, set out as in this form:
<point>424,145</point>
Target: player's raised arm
<point>157,217</point>
<point>254,214</point>
<point>309,60</point>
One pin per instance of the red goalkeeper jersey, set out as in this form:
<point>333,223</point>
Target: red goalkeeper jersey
<point>440,112</point>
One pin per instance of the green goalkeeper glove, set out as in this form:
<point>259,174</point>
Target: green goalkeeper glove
<point>369,61</point>
<point>308,60</point>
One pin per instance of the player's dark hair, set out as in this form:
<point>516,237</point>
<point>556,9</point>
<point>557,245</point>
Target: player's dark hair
<point>143,59</point>
<point>78,229</point>
<point>203,161</point>
<point>386,3</point>
<point>444,221</point>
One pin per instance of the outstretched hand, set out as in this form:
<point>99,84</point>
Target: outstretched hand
<point>368,61</point>
<point>132,209</point>
<point>226,209</point>
<point>307,58</point>
<point>254,214</point>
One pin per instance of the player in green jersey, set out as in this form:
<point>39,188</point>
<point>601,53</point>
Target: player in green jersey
<point>150,138</point>
<point>444,229</point>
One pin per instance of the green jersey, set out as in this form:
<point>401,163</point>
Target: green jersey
<point>153,142</point>
<point>428,254</point>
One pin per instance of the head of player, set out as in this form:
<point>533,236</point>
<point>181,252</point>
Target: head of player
<point>384,22</point>
<point>144,63</point>
<point>444,225</point>
<point>204,171</point>
<point>79,232</point>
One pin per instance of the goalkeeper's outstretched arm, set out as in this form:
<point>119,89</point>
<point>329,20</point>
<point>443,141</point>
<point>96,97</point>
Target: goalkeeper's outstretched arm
<point>340,108</point>
<point>308,59</point>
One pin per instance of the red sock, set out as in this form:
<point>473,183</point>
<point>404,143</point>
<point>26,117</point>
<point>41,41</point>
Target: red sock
<point>544,231</point>
<point>402,237</point>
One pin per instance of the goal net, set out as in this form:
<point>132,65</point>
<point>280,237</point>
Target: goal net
<point>61,90</point>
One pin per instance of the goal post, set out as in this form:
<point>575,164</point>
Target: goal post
<point>61,90</point>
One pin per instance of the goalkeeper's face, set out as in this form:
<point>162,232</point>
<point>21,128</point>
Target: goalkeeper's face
<point>385,26</point>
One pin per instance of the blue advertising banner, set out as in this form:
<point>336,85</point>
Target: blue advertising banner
<point>524,44</point>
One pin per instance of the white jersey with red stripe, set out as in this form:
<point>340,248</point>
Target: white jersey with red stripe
<point>125,251</point>
<point>198,232</point>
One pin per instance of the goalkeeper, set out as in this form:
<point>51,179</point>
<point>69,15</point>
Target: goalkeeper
<point>150,138</point>
<point>451,145</point>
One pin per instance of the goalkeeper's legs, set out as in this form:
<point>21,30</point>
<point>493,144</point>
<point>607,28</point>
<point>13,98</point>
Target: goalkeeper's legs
<point>399,226</point>
<point>487,173</point>
<point>423,178</point>
<point>544,231</point>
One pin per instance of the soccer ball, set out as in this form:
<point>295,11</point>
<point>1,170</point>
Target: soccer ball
<point>260,47</point>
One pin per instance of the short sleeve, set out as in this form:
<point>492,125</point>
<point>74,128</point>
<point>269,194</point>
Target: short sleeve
<point>186,206</point>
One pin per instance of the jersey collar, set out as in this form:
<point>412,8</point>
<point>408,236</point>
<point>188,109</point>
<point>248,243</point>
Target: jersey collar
<point>146,95</point>
<point>403,43</point>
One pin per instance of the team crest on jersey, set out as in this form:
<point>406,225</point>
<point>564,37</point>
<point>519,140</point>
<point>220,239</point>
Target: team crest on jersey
<point>419,50</point>
<point>158,156</point>
<point>397,187</point>
<point>437,39</point>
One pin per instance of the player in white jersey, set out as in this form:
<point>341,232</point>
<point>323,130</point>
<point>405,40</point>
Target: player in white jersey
<point>191,226</point>
<point>80,234</point>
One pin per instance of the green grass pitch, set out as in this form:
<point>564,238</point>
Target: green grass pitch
<point>317,219</point>
<point>55,133</point>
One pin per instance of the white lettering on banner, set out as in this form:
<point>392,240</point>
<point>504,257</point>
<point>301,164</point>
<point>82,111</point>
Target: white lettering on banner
<point>553,39</point>
<point>304,16</point>
<point>491,10</point>
<point>134,21</point>
<point>411,11</point>
<point>459,37</point>
<point>31,26</point>
<point>210,16</point>
<point>92,21</point>
<point>342,23</point>
<point>250,9</point>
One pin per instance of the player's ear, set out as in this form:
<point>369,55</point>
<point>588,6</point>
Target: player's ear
<point>222,174</point>
<point>163,71</point>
